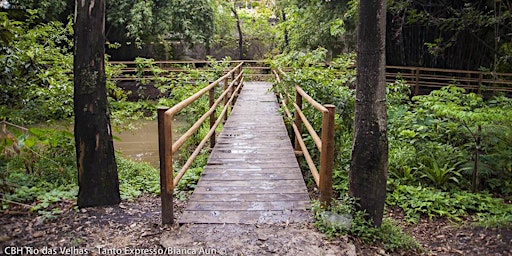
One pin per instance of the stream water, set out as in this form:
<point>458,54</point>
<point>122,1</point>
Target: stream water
<point>142,144</point>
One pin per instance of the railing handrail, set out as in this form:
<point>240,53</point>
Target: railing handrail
<point>324,143</point>
<point>130,72</point>
<point>129,62</point>
<point>478,81</point>
<point>167,148</point>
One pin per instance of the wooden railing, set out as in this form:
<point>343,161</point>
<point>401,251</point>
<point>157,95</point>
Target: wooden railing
<point>435,78</point>
<point>165,141</point>
<point>129,71</point>
<point>324,143</point>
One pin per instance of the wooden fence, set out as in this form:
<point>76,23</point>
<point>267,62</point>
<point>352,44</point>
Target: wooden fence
<point>254,69</point>
<point>420,78</point>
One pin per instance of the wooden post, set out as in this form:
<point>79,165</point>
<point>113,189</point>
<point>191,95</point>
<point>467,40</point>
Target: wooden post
<point>298,121</point>
<point>226,99</point>
<point>212,115</point>
<point>480,78</point>
<point>231,91</point>
<point>163,151</point>
<point>417,82</point>
<point>327,156</point>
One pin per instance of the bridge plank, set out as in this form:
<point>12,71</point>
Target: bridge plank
<point>237,197</point>
<point>252,175</point>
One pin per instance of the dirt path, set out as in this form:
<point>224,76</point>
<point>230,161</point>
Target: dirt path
<point>133,228</point>
<point>234,239</point>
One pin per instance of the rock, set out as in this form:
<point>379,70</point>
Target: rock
<point>350,250</point>
<point>38,234</point>
<point>339,220</point>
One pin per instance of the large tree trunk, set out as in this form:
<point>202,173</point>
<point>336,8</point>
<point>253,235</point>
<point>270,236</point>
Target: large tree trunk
<point>369,161</point>
<point>97,170</point>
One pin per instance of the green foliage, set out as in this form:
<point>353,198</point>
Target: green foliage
<point>311,24</point>
<point>47,10</point>
<point>432,141</point>
<point>38,168</point>
<point>35,84</point>
<point>355,224</point>
<point>149,21</point>
<point>440,133</point>
<point>327,85</point>
<point>440,165</point>
<point>448,30</point>
<point>137,178</point>
<point>38,171</point>
<point>417,200</point>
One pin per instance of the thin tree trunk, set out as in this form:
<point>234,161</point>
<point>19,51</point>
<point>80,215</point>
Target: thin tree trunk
<point>369,161</point>
<point>286,39</point>
<point>97,170</point>
<point>240,34</point>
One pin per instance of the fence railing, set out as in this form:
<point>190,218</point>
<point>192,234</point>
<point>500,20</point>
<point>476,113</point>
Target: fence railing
<point>434,78</point>
<point>418,77</point>
<point>130,71</point>
<point>168,181</point>
<point>324,143</point>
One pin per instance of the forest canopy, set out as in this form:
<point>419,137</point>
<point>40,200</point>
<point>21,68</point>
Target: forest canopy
<point>464,34</point>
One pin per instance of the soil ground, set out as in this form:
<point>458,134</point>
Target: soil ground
<point>135,225</point>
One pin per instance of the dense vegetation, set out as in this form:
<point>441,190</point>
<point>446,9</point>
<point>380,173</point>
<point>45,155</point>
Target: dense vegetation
<point>433,142</point>
<point>37,165</point>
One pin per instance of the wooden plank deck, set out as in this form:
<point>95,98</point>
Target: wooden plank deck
<point>252,175</point>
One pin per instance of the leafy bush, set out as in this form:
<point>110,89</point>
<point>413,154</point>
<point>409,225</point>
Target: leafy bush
<point>457,205</point>
<point>444,130</point>
<point>36,64</point>
<point>137,178</point>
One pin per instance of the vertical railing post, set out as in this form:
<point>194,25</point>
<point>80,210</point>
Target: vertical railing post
<point>235,85</point>
<point>165,154</point>
<point>327,156</point>
<point>298,121</point>
<point>480,78</point>
<point>211,95</point>
<point>417,82</point>
<point>226,99</point>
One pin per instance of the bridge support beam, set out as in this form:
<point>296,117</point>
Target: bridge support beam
<point>165,194</point>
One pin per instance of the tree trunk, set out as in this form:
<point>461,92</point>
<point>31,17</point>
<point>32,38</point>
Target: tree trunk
<point>240,34</point>
<point>286,39</point>
<point>97,171</point>
<point>369,161</point>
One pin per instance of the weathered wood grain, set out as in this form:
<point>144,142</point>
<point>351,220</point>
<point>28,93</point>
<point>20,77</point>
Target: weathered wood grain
<point>252,175</point>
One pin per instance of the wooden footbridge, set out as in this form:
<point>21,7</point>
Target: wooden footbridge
<point>252,175</point>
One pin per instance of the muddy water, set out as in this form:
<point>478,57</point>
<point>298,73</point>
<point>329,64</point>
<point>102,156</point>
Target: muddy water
<point>142,144</point>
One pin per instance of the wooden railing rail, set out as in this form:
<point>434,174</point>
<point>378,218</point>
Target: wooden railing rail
<point>324,143</point>
<point>434,78</point>
<point>129,71</point>
<point>166,146</point>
